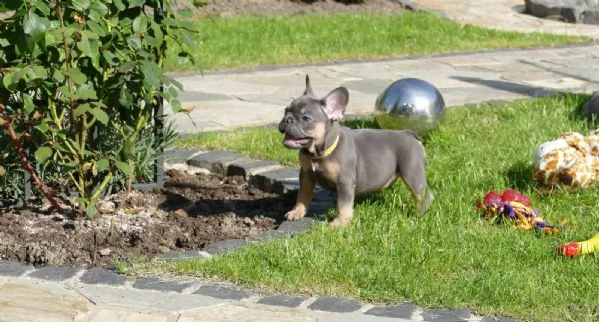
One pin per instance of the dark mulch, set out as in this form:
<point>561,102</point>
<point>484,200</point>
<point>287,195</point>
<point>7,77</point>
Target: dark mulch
<point>191,211</point>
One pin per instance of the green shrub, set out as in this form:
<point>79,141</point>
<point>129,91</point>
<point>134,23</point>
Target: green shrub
<point>80,80</point>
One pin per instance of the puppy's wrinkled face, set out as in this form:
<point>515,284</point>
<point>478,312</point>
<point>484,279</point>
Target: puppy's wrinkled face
<point>304,123</point>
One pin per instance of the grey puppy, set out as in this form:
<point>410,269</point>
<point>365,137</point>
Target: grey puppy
<point>349,162</point>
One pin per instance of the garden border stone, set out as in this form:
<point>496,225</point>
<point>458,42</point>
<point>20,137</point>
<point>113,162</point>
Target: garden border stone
<point>152,283</point>
<point>401,311</point>
<point>10,268</point>
<point>55,273</point>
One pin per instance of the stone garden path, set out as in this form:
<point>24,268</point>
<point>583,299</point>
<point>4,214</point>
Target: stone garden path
<point>224,101</point>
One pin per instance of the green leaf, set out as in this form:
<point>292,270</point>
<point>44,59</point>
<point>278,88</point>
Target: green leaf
<point>43,128</point>
<point>81,5</point>
<point>84,46</point>
<point>102,164</point>
<point>168,81</point>
<point>157,32</point>
<point>78,77</point>
<point>34,26</point>
<point>120,5</point>
<point>82,109</point>
<point>99,29</point>
<point>125,168</point>
<point>43,7</point>
<point>8,82</point>
<point>175,105</point>
<point>28,103</point>
<point>90,211</point>
<point>100,115</point>
<point>43,153</point>
<point>127,67</point>
<point>66,91</point>
<point>136,3</point>
<point>85,93</point>
<point>134,41</point>
<point>58,76</point>
<point>152,73</point>
<point>140,24</point>
<point>188,39</point>
<point>97,11</point>
<point>173,92</point>
<point>110,58</point>
<point>125,97</point>
<point>37,72</point>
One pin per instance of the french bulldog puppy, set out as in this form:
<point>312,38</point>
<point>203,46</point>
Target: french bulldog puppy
<point>349,162</point>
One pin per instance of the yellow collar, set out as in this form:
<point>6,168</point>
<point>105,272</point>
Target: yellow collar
<point>329,150</point>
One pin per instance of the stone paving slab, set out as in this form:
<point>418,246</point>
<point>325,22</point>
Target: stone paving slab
<point>257,97</point>
<point>502,14</point>
<point>39,301</point>
<point>142,299</point>
<point>126,315</point>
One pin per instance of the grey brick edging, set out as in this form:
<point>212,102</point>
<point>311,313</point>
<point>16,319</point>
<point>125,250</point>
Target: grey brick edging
<point>229,293</point>
<point>266,175</point>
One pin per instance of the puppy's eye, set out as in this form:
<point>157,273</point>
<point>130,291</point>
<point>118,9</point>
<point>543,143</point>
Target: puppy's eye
<point>306,118</point>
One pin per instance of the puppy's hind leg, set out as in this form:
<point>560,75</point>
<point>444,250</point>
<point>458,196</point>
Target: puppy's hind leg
<point>345,202</point>
<point>414,175</point>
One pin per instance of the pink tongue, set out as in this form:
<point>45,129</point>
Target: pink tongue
<point>290,140</point>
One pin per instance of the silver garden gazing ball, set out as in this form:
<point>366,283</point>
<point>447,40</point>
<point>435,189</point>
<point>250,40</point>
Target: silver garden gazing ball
<point>410,103</point>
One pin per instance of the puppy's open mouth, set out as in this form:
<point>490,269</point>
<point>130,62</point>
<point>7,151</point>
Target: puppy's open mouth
<point>295,143</point>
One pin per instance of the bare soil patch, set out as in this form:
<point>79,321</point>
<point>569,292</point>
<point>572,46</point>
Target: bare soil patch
<point>296,7</point>
<point>189,212</point>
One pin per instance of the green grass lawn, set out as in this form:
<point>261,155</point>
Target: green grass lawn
<point>451,257</point>
<point>245,42</point>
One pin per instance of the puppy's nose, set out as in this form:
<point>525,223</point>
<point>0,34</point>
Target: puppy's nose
<point>282,126</point>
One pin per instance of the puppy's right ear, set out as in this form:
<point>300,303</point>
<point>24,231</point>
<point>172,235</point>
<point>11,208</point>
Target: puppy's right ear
<point>308,91</point>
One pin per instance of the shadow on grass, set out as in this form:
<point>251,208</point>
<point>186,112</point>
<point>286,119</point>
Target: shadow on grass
<point>519,176</point>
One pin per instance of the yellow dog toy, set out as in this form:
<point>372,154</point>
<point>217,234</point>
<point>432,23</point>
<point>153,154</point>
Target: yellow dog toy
<point>581,248</point>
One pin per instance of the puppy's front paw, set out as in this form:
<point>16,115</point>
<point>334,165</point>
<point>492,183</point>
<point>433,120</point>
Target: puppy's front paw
<point>339,222</point>
<point>296,213</point>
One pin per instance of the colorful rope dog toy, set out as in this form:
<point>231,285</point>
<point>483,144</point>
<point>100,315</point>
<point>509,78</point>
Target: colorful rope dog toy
<point>588,246</point>
<point>515,207</point>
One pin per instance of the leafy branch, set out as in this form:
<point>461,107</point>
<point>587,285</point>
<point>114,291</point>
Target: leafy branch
<point>87,73</point>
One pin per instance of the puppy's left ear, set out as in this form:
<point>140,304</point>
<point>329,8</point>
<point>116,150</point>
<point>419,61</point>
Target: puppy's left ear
<point>335,103</point>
